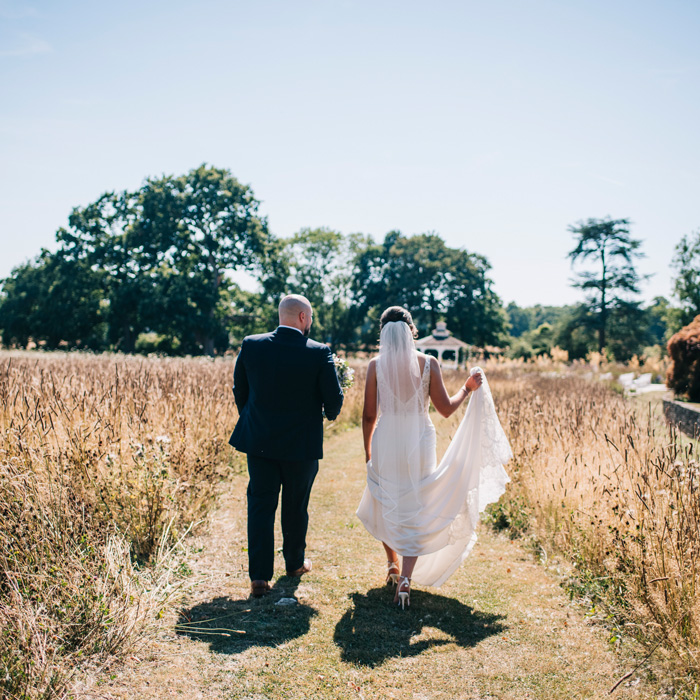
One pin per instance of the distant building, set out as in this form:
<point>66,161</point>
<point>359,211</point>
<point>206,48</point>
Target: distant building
<point>443,344</point>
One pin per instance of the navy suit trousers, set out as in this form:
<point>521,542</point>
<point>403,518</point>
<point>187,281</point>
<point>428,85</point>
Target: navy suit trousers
<point>267,477</point>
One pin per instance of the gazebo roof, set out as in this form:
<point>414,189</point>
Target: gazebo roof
<point>441,338</point>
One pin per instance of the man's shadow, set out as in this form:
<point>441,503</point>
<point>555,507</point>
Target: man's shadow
<point>373,630</point>
<point>232,626</point>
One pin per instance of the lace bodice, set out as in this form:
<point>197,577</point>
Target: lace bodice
<point>425,383</point>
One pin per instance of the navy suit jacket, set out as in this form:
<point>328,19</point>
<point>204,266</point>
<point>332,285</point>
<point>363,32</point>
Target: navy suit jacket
<point>282,384</point>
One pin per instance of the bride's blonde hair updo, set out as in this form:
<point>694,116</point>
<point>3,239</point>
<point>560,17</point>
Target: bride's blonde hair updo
<point>398,313</point>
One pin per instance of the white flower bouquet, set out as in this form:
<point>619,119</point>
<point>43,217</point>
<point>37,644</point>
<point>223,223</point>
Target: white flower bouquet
<point>346,375</point>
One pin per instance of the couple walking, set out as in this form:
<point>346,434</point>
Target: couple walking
<point>424,512</point>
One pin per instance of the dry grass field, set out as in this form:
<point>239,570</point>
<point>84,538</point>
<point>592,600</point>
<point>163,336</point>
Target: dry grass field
<point>111,468</point>
<point>603,481</point>
<point>105,463</point>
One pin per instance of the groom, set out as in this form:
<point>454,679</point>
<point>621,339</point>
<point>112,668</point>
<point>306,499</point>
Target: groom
<point>282,383</point>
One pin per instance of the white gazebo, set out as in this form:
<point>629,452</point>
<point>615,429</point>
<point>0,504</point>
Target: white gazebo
<point>440,341</point>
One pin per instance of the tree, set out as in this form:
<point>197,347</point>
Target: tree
<point>686,287</point>
<point>36,298</point>
<point>20,304</point>
<point>519,319</point>
<point>575,331</point>
<point>473,310</point>
<point>433,282</point>
<point>661,318</point>
<point>211,226</point>
<point>157,260</point>
<point>256,312</point>
<point>607,242</point>
<point>524,320</point>
<point>628,331</point>
<point>542,339</point>
<point>99,236</point>
<point>320,267</point>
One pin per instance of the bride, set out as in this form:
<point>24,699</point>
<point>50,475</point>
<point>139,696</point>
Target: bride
<point>423,511</point>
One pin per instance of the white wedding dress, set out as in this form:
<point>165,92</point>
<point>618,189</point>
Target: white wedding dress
<point>417,506</point>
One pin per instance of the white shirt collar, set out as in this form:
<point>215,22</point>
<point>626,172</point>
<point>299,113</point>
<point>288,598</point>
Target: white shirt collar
<point>292,327</point>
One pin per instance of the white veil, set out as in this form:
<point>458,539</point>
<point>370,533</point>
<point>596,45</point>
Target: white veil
<point>400,370</point>
<point>398,445</point>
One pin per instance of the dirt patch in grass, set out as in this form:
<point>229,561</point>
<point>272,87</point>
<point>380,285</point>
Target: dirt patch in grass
<point>502,627</point>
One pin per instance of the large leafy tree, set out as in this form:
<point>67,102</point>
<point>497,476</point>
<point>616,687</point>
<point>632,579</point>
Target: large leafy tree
<point>397,271</point>
<point>256,312</point>
<point>204,225</point>
<point>53,300</point>
<point>519,319</point>
<point>686,287</point>
<point>474,311</point>
<point>606,243</point>
<point>321,268</point>
<point>433,281</point>
<point>99,236</point>
<point>159,259</point>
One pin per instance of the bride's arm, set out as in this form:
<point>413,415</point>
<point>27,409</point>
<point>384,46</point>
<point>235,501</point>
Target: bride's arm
<point>369,411</point>
<point>445,404</point>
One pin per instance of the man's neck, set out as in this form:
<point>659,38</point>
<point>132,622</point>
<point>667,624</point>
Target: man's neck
<point>292,327</point>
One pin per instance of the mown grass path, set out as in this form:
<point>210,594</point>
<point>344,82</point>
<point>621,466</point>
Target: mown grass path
<point>500,628</point>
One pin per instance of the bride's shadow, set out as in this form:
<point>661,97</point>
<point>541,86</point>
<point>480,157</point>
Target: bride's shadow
<point>373,630</point>
<point>232,626</point>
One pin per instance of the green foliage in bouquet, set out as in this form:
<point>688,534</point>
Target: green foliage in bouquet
<point>346,375</point>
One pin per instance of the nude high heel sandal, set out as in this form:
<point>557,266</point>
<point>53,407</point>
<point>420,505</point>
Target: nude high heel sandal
<point>392,575</point>
<point>404,592</point>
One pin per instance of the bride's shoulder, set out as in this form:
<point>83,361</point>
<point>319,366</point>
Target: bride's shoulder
<point>424,359</point>
<point>424,356</point>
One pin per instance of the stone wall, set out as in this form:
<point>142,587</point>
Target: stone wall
<point>686,417</point>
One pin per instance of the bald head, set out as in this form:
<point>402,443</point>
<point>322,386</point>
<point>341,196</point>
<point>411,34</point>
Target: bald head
<point>295,311</point>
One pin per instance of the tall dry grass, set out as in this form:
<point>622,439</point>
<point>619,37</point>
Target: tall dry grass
<point>105,461</point>
<point>602,480</point>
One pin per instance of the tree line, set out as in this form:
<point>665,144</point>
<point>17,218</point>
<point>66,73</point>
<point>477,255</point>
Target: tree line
<point>611,319</point>
<point>156,269</point>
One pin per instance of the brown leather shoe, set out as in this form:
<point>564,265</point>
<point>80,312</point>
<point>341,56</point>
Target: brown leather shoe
<point>303,569</point>
<point>259,588</point>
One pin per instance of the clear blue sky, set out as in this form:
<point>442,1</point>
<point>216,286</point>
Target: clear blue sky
<point>494,124</point>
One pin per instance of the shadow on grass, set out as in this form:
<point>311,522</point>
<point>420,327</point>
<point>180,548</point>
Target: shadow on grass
<point>373,630</point>
<point>232,626</point>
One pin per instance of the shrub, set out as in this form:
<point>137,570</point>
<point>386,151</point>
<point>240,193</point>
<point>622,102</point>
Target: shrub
<point>148,343</point>
<point>520,348</point>
<point>684,373</point>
